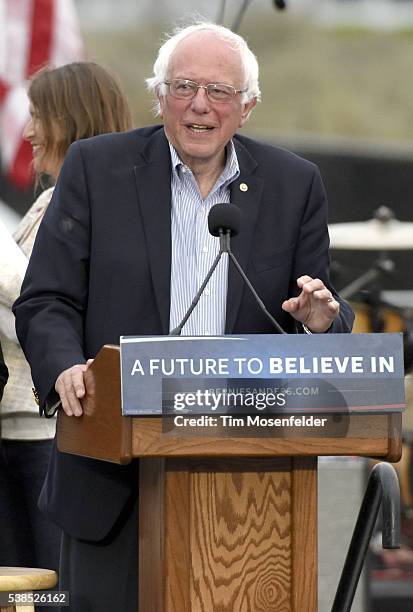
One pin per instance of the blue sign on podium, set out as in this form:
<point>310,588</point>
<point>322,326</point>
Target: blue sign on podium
<point>262,374</point>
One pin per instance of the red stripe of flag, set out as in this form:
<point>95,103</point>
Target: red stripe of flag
<point>20,171</point>
<point>4,88</point>
<point>41,35</point>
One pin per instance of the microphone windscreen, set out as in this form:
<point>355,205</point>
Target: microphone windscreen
<point>225,217</point>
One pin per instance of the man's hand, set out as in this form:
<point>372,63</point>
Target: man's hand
<point>71,388</point>
<point>315,307</point>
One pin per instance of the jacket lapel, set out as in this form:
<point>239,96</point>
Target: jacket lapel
<point>153,184</point>
<point>246,193</point>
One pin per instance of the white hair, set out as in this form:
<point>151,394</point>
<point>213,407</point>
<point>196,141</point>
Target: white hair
<point>156,84</point>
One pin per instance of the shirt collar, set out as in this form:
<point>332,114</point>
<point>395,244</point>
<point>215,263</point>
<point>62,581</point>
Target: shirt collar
<point>229,173</point>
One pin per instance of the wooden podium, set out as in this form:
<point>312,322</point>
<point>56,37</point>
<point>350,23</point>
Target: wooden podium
<point>225,524</point>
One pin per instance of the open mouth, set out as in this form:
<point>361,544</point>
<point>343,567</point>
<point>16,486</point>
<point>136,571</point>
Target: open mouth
<point>194,127</point>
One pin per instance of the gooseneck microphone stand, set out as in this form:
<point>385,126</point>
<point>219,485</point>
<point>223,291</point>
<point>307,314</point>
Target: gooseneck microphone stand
<point>244,277</point>
<point>225,247</point>
<point>178,329</point>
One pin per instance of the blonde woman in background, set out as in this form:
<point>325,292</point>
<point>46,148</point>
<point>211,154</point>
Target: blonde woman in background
<point>74,101</point>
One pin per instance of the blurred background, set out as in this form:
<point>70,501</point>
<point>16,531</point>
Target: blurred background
<point>337,88</point>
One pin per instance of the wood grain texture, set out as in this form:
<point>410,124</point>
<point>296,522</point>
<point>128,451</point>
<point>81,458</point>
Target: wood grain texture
<point>241,542</point>
<point>395,438</point>
<point>178,537</point>
<point>234,534</point>
<point>304,534</point>
<point>151,534</point>
<point>367,435</point>
<point>101,432</point>
<point>26,578</point>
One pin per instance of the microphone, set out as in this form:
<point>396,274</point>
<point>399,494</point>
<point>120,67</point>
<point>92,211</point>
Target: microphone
<point>224,221</point>
<point>225,217</point>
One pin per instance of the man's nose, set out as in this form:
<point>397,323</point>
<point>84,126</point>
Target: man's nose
<point>200,101</point>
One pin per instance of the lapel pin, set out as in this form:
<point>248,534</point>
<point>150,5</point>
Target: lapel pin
<point>243,187</point>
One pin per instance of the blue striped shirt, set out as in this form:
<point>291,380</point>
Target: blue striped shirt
<point>194,248</point>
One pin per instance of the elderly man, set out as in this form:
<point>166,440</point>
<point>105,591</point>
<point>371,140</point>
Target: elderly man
<point>122,250</point>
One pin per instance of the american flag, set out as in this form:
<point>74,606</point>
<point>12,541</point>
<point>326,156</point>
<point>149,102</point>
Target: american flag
<point>34,33</point>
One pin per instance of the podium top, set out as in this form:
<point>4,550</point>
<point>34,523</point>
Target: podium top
<point>102,433</point>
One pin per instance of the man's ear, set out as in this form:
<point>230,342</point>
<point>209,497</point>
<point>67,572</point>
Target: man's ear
<point>246,111</point>
<point>161,100</point>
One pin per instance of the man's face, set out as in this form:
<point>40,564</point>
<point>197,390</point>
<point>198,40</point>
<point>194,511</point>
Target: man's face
<point>199,129</point>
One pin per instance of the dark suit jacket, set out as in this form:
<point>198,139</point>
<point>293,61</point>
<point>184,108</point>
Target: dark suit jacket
<point>101,269</point>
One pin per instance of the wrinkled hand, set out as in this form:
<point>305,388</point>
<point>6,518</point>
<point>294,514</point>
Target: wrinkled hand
<point>315,307</point>
<point>71,388</point>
